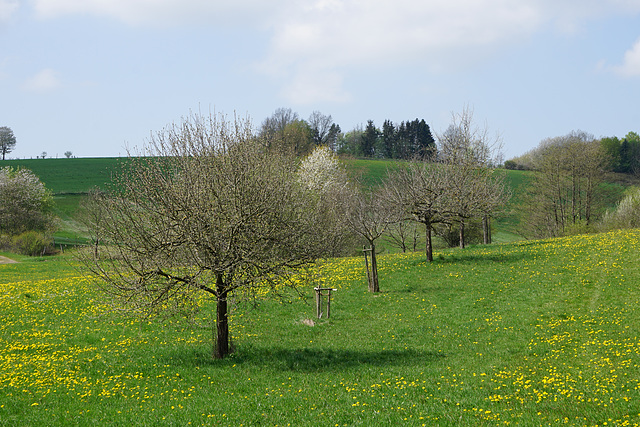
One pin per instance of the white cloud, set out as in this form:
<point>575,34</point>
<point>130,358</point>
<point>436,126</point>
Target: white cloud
<point>434,35</point>
<point>317,41</point>
<point>331,36</point>
<point>44,81</point>
<point>161,12</point>
<point>315,84</point>
<point>7,8</point>
<point>631,64</point>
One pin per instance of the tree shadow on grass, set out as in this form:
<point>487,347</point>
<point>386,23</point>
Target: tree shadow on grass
<point>474,257</point>
<point>309,359</point>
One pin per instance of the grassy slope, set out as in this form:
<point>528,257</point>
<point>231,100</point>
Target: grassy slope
<point>69,176</point>
<point>531,333</point>
<point>69,179</point>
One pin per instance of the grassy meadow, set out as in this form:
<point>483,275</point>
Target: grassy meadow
<point>517,333</point>
<point>528,333</point>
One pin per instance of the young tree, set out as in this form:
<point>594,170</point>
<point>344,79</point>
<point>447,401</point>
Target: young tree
<point>7,141</point>
<point>469,155</point>
<point>404,235</point>
<point>25,203</point>
<point>207,209</point>
<point>369,216</point>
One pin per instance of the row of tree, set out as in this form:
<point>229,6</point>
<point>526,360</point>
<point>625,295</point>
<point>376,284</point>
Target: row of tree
<point>623,155</point>
<point>405,140</point>
<point>620,155</point>
<point>285,130</point>
<point>395,141</point>
<point>219,210</point>
<point>566,194</point>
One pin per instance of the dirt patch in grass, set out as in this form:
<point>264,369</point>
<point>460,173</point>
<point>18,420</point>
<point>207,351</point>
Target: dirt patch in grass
<point>5,260</point>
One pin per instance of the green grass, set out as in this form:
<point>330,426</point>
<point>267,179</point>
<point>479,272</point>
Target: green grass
<point>63,176</point>
<point>529,333</point>
<point>370,172</point>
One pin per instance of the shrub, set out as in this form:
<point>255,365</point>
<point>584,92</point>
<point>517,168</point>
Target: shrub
<point>580,227</point>
<point>626,214</point>
<point>451,233</point>
<point>33,243</point>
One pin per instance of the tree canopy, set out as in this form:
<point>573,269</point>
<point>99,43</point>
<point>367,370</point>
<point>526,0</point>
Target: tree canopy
<point>7,141</point>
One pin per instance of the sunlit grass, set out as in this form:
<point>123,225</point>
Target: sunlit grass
<point>529,333</point>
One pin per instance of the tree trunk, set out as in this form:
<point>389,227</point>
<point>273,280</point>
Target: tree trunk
<point>373,285</point>
<point>486,229</point>
<point>429,242</point>
<point>222,321</point>
<point>461,233</point>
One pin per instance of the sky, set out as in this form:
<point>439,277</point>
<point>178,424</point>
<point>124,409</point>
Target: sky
<point>99,77</point>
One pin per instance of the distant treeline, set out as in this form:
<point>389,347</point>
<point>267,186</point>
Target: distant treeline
<point>395,141</point>
<point>403,140</point>
<point>621,155</point>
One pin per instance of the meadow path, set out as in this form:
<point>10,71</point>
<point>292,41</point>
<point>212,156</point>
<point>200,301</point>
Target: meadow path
<point>5,260</point>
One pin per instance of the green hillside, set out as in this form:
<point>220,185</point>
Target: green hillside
<point>70,176</point>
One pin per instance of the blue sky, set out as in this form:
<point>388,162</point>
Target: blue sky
<point>97,76</point>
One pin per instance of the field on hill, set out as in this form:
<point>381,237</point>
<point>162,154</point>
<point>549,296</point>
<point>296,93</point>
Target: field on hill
<point>71,179</point>
<point>529,333</point>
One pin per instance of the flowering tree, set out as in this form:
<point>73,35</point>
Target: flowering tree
<point>321,171</point>
<point>25,203</point>
<point>326,178</point>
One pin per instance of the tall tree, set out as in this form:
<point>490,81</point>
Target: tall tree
<point>7,141</point>
<point>351,142</point>
<point>296,136</point>
<point>403,142</point>
<point>321,128</point>
<point>630,153</point>
<point>611,150</point>
<point>209,211</point>
<point>332,138</point>
<point>370,139</point>
<point>278,121</point>
<point>425,143</point>
<point>389,139</point>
